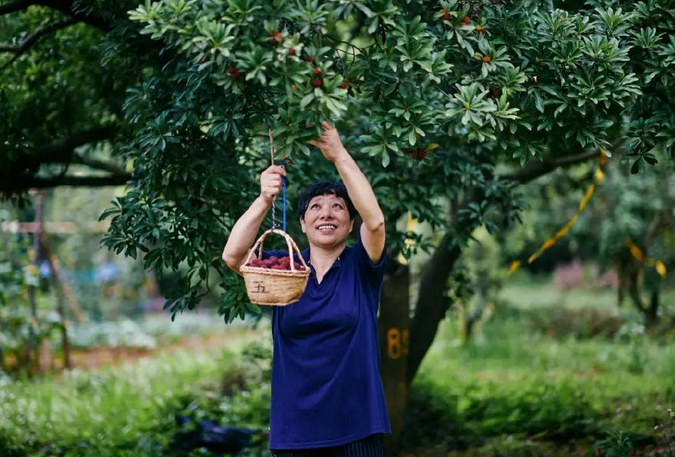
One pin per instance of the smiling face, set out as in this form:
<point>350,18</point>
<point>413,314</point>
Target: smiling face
<point>326,221</point>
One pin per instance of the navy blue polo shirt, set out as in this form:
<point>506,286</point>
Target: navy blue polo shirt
<point>326,384</point>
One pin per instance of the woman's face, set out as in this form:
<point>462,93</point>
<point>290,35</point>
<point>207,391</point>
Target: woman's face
<point>326,221</point>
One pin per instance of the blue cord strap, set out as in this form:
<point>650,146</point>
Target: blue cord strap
<point>283,180</point>
<point>282,162</point>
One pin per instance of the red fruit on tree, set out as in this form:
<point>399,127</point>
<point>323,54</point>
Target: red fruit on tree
<point>418,154</point>
<point>344,85</point>
<point>317,71</point>
<point>318,82</point>
<point>232,70</point>
<point>466,19</point>
<point>276,38</point>
<point>487,59</point>
<point>308,59</point>
<point>291,52</point>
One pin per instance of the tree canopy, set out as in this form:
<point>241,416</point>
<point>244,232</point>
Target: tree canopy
<point>447,106</point>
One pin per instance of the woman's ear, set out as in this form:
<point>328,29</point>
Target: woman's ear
<point>302,225</point>
<point>351,227</point>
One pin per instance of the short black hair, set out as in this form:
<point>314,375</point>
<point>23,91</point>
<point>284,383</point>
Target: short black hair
<point>325,188</point>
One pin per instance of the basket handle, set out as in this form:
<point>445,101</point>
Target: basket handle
<point>292,247</point>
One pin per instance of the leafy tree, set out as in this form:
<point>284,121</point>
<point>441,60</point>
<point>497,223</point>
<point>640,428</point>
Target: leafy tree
<point>624,211</point>
<point>442,103</point>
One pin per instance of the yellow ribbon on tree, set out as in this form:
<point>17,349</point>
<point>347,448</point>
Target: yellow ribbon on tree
<point>659,266</point>
<point>598,176</point>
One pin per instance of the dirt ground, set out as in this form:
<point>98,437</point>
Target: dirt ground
<point>95,358</point>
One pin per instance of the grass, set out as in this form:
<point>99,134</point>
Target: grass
<point>116,411</point>
<point>537,379</point>
<point>523,387</point>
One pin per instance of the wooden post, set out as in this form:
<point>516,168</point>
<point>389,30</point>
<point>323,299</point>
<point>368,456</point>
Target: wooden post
<point>393,327</point>
<point>60,287</point>
<point>31,352</point>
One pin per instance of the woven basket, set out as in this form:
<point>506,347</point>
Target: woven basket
<point>274,287</point>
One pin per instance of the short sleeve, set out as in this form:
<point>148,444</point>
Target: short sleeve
<point>372,272</point>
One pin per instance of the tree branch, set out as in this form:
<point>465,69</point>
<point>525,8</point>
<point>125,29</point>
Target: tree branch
<point>57,150</point>
<point>14,7</point>
<point>98,164</point>
<point>535,171</point>
<point>60,151</point>
<point>30,41</point>
<point>98,18</point>
<point>30,182</point>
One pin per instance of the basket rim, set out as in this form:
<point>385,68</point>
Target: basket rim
<point>280,273</point>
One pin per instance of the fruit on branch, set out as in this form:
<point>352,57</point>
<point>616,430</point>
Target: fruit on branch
<point>276,38</point>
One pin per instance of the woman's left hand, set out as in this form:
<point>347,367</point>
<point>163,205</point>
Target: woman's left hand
<point>330,143</point>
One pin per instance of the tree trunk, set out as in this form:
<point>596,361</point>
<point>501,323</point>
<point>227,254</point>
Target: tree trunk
<point>393,330</point>
<point>431,304</point>
<point>65,343</point>
<point>652,313</point>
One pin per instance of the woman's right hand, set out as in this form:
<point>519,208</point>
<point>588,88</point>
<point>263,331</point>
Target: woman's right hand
<point>271,182</point>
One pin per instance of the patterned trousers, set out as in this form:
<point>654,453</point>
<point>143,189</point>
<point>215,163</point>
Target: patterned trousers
<point>370,446</point>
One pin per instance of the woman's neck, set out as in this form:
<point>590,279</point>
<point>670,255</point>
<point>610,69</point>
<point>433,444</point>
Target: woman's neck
<point>323,258</point>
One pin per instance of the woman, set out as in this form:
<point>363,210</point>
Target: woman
<point>327,395</point>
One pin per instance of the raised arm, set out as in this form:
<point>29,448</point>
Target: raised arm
<point>245,230</point>
<point>359,189</point>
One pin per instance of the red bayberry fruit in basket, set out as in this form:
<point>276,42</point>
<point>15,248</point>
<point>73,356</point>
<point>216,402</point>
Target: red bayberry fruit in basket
<point>273,258</point>
<point>318,82</point>
<point>257,263</point>
<point>278,267</point>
